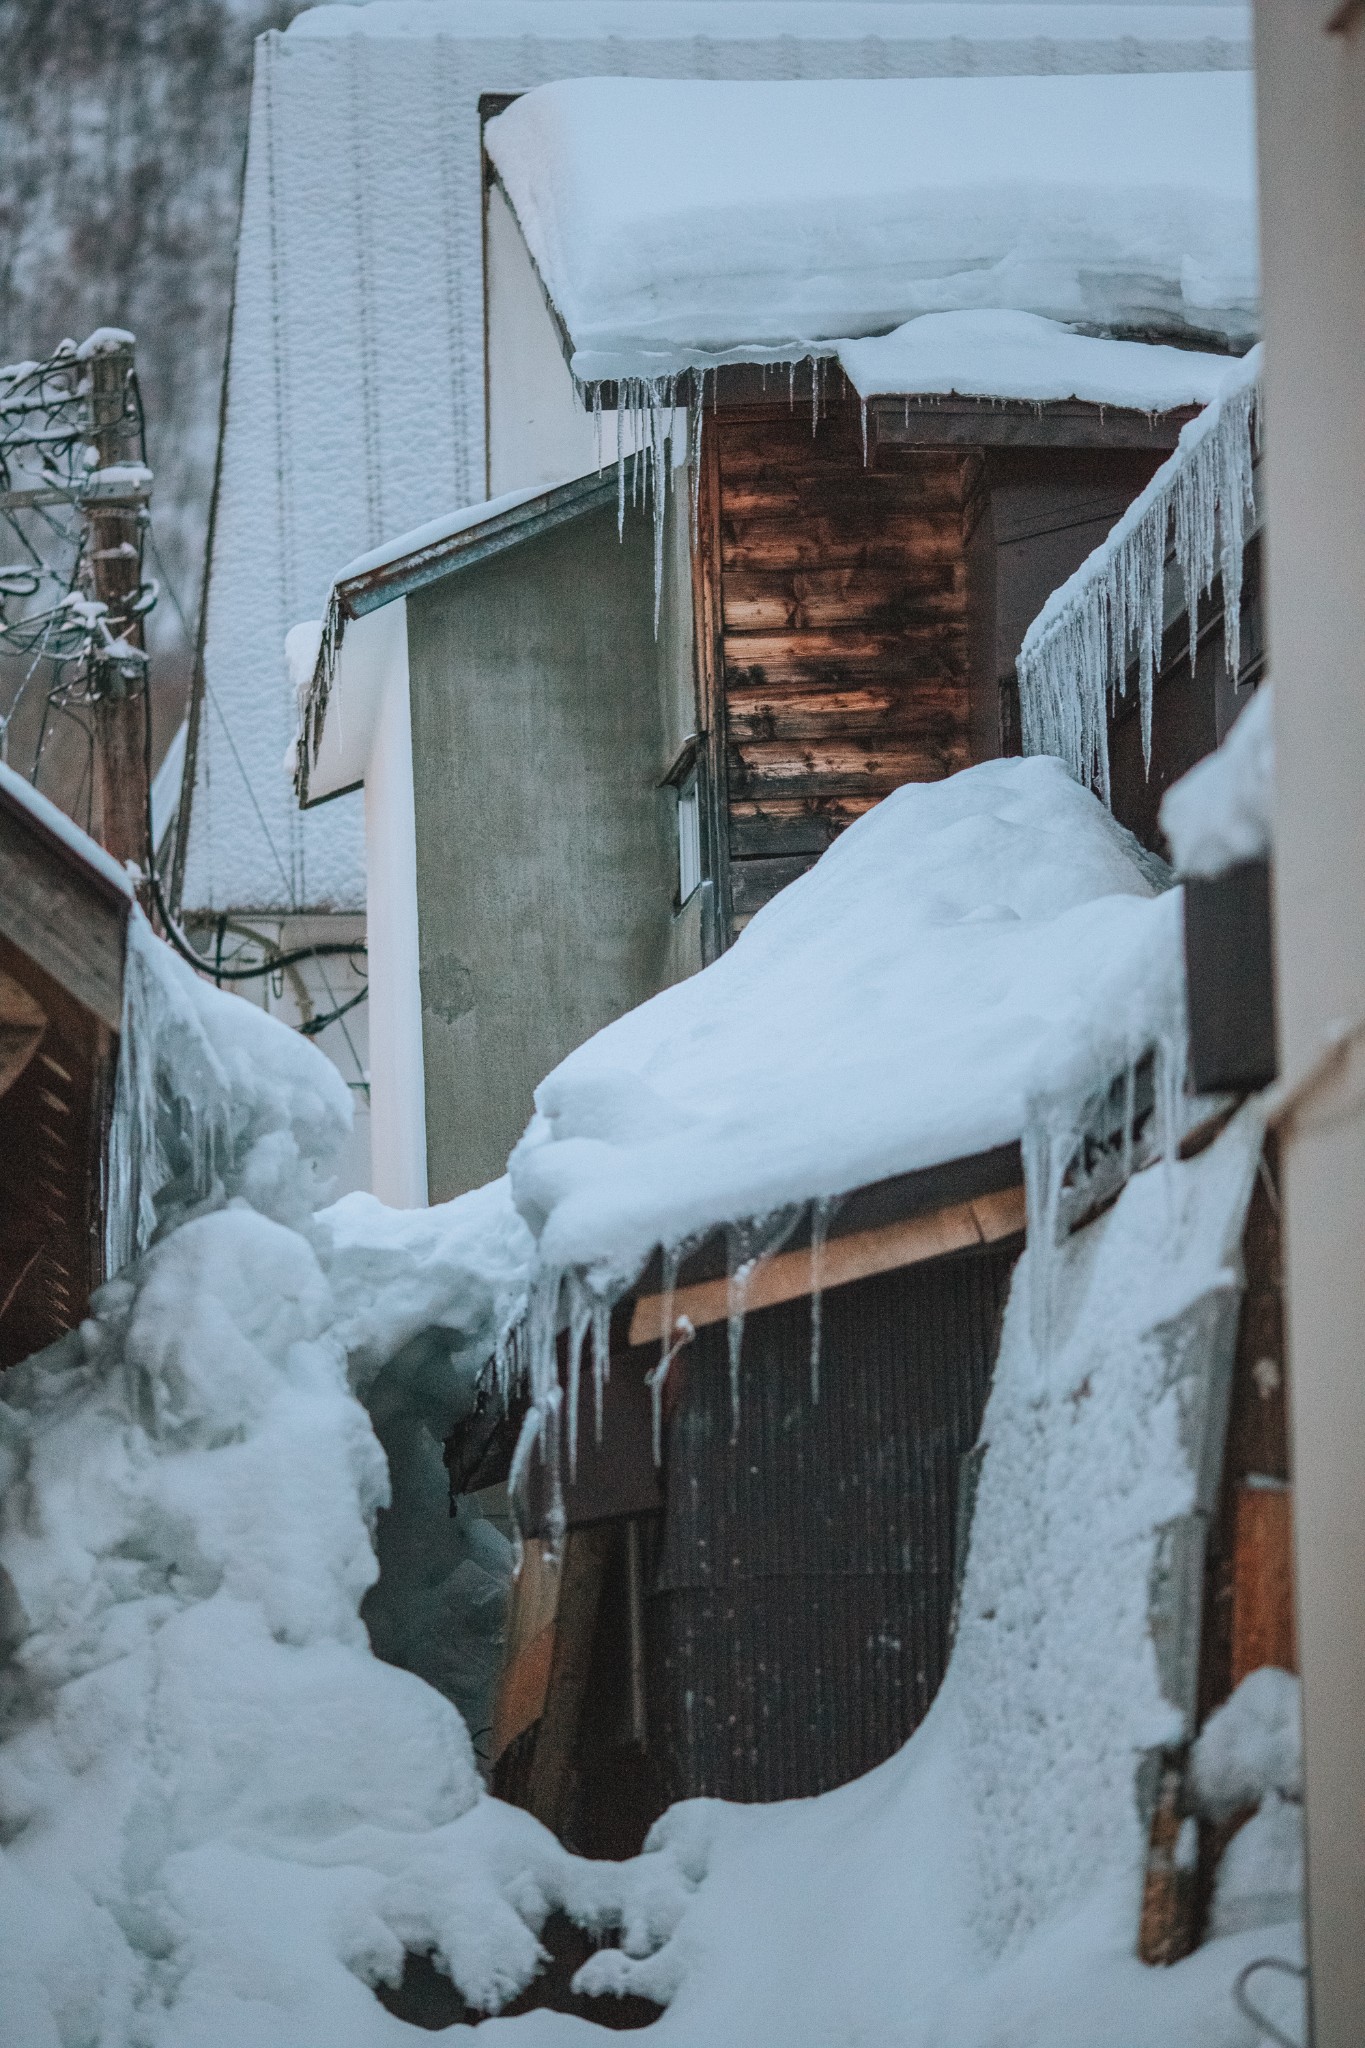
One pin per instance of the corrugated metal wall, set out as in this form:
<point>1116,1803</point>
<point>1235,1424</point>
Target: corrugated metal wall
<point>800,1615</point>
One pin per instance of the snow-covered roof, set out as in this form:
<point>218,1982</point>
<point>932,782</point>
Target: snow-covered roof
<point>57,825</point>
<point>355,389</point>
<point>968,948</point>
<point>1002,355</point>
<point>682,223</point>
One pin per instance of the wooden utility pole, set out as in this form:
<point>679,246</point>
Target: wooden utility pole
<point>115,512</point>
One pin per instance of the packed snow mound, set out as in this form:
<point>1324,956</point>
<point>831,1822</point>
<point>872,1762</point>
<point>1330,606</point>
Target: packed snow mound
<point>967,947</point>
<point>682,223</point>
<point>1251,1746</point>
<point>1002,355</point>
<point>1222,812</point>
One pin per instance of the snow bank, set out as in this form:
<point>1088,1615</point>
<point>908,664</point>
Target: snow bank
<point>994,354</point>
<point>1222,811</point>
<point>222,1818</point>
<point>967,947</point>
<point>982,1887</point>
<point>1074,660</point>
<point>681,223</point>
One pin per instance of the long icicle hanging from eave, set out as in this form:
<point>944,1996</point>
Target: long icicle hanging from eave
<point>1074,662</point>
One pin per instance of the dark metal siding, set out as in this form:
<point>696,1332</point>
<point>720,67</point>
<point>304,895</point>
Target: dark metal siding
<point>799,1622</point>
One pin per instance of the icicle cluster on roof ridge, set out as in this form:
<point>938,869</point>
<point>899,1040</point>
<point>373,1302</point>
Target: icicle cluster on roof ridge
<point>1074,661</point>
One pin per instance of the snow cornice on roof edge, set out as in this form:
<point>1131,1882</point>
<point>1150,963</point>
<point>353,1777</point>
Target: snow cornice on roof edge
<point>678,225</point>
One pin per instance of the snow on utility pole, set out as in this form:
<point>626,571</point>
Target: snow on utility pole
<point>114,506</point>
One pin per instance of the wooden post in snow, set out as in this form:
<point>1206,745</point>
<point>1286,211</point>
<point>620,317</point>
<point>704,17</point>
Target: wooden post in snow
<point>115,515</point>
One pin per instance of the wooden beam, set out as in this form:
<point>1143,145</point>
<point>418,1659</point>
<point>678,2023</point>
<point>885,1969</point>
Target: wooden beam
<point>860,1256</point>
<point>1013,423</point>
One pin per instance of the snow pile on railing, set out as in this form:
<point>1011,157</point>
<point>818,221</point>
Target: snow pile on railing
<point>1221,812</point>
<point>1075,656</point>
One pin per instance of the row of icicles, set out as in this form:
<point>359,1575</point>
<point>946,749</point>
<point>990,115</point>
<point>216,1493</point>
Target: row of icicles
<point>567,1303</point>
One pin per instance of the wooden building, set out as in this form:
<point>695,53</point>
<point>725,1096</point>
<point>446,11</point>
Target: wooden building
<point>64,907</point>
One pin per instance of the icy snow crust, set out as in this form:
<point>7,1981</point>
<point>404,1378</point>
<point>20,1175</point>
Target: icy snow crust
<point>681,223</point>
<point>1003,355</point>
<point>968,949</point>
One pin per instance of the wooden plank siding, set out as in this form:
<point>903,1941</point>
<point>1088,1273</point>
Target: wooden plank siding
<point>833,611</point>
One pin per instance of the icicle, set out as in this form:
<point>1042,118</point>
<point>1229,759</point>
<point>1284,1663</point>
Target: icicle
<point>747,1245</point>
<point>1074,660</point>
<point>601,1356</point>
<point>862,407</point>
<point>580,1322</point>
<point>814,395</point>
<point>662,416</point>
<point>821,1213</point>
<point>656,1379</point>
<point>740,1273</point>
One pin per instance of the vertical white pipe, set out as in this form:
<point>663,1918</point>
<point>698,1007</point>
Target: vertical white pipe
<point>398,1126</point>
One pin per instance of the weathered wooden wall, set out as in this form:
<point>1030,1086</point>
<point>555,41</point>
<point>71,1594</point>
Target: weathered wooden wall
<point>834,629</point>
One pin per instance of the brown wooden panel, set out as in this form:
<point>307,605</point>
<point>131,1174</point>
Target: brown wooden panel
<point>890,597</point>
<point>880,711</point>
<point>773,825</point>
<point>1263,1581</point>
<point>755,882</point>
<point>52,1122</point>
<point>838,766</point>
<point>823,540</point>
<point>842,602</point>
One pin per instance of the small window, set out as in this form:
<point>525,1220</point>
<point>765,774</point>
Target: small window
<point>689,838</point>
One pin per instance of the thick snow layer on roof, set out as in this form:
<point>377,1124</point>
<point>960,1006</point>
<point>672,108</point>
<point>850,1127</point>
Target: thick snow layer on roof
<point>1222,812</point>
<point>678,223</point>
<point>1128,30</point>
<point>356,388</point>
<point>995,354</point>
<point>967,947</point>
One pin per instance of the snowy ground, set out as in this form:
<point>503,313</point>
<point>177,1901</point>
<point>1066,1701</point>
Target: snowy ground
<point>223,1819</point>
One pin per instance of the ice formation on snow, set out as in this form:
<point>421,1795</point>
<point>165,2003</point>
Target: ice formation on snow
<point>1222,811</point>
<point>1075,656</point>
<point>210,1100</point>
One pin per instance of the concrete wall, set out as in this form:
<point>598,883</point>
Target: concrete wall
<point>545,855</point>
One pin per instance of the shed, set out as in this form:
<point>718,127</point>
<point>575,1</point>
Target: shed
<point>64,910</point>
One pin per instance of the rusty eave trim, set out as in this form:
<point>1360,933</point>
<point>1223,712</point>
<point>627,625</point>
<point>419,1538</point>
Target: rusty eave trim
<point>371,589</point>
